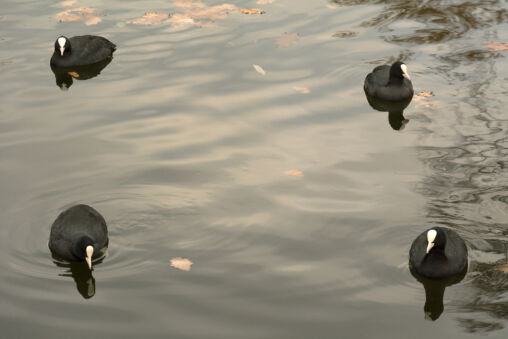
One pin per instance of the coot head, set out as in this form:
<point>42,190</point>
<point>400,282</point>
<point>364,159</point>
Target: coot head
<point>436,240</point>
<point>83,249</point>
<point>398,70</point>
<point>62,46</point>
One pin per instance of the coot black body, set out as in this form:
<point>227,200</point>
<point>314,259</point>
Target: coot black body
<point>390,83</point>
<point>78,233</point>
<point>81,50</point>
<point>438,253</point>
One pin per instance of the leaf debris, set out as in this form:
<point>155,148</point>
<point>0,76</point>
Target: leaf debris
<point>183,264</point>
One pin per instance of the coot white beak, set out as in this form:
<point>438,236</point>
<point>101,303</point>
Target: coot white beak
<point>429,247</point>
<point>404,72</point>
<point>89,253</point>
<point>62,49</point>
<point>431,236</point>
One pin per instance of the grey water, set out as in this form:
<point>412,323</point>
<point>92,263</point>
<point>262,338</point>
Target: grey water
<point>185,150</point>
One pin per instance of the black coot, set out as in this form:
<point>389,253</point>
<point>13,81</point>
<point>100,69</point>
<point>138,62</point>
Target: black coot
<point>390,83</point>
<point>79,233</point>
<point>438,253</point>
<point>81,50</point>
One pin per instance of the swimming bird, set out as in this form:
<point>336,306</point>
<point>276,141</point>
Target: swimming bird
<point>438,253</point>
<point>81,50</point>
<point>390,83</point>
<point>79,233</point>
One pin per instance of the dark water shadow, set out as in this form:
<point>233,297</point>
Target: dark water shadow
<point>434,292</point>
<point>65,76</point>
<point>395,110</point>
<point>82,275</point>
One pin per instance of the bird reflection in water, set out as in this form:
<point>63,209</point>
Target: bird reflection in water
<point>82,275</point>
<point>434,292</point>
<point>395,110</point>
<point>65,76</point>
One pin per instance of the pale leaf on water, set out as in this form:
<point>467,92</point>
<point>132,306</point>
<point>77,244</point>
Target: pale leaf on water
<point>264,2</point>
<point>183,264</point>
<point>425,94</point>
<point>287,39</point>
<point>295,173</point>
<point>302,90</point>
<point>251,11</point>
<point>259,69</point>
<point>496,46</point>
<point>85,14</point>
<point>150,18</point>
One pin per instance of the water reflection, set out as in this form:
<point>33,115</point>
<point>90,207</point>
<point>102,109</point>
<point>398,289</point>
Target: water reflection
<point>82,275</point>
<point>395,110</point>
<point>434,292</point>
<point>431,21</point>
<point>64,76</point>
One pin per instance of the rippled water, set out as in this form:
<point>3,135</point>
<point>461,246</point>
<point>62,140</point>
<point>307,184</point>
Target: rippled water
<point>182,146</point>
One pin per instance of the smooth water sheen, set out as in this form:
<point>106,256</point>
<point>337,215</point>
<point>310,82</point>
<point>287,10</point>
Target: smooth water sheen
<point>182,146</point>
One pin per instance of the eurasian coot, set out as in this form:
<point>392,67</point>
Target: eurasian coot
<point>79,233</point>
<point>81,50</point>
<point>390,83</point>
<point>438,253</point>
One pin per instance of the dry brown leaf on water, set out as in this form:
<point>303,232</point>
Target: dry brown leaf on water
<point>85,14</point>
<point>502,268</point>
<point>251,11</point>
<point>73,74</point>
<point>302,90</point>
<point>259,69</point>
<point>287,39</point>
<point>178,20</point>
<point>421,99</point>
<point>181,263</point>
<point>425,94</point>
<point>496,46</point>
<point>295,173</point>
<point>210,13</point>
<point>264,2</point>
<point>68,3</point>
<point>150,18</point>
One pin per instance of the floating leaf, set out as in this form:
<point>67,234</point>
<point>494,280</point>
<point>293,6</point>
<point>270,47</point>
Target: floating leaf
<point>295,173</point>
<point>150,18</point>
<point>264,2</point>
<point>496,46</point>
<point>302,90</point>
<point>85,14</point>
<point>68,3</point>
<point>194,13</point>
<point>73,74</point>
<point>252,11</point>
<point>425,94</point>
<point>421,99</point>
<point>331,6</point>
<point>259,69</point>
<point>181,263</point>
<point>287,39</point>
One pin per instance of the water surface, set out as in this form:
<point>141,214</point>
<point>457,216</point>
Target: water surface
<point>182,146</point>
